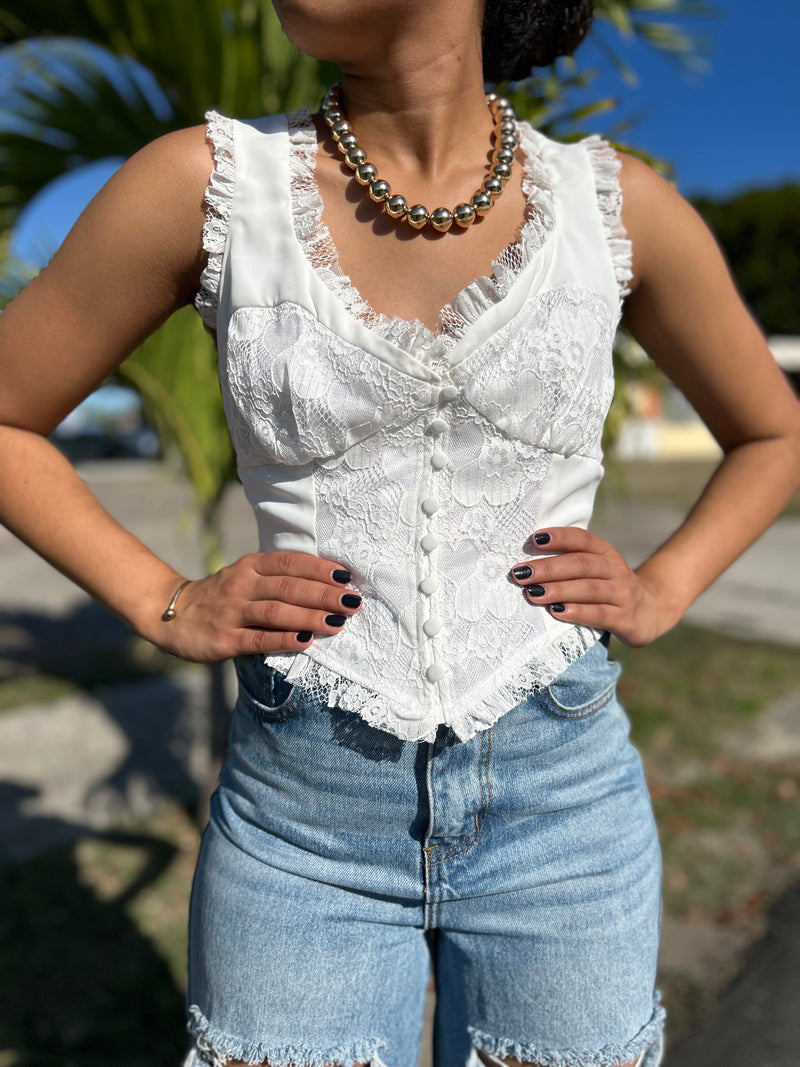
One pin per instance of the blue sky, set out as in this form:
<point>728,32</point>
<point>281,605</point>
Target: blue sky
<point>731,128</point>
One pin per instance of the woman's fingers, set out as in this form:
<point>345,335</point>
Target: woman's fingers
<point>589,583</point>
<point>264,602</point>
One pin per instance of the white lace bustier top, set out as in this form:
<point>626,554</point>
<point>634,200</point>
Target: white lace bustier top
<point>422,461</point>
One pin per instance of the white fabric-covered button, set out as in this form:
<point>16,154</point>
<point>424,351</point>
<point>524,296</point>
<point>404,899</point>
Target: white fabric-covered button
<point>429,585</point>
<point>435,672</point>
<point>430,505</point>
<point>432,627</point>
<point>437,426</point>
<point>429,542</point>
<point>449,392</point>
<point>439,460</point>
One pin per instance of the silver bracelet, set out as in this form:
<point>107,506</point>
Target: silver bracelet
<point>170,612</point>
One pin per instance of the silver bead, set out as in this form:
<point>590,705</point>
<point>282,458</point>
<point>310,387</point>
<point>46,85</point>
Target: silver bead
<point>501,171</point>
<point>333,115</point>
<point>464,215</point>
<point>346,142</point>
<point>340,128</point>
<point>396,206</point>
<point>441,219</point>
<point>379,191</point>
<point>507,129</point>
<point>503,155</point>
<point>509,142</point>
<point>482,202</point>
<point>498,104</point>
<point>506,114</point>
<point>493,186</point>
<point>366,173</point>
<point>355,157</point>
<point>417,216</point>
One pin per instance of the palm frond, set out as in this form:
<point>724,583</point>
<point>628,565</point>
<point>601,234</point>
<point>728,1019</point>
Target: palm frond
<point>63,110</point>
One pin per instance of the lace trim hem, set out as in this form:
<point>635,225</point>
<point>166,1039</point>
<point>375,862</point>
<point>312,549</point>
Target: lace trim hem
<point>217,201</point>
<point>606,167</point>
<point>414,336</point>
<point>334,689</point>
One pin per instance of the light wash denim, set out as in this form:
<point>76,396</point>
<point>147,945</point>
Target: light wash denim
<point>340,862</point>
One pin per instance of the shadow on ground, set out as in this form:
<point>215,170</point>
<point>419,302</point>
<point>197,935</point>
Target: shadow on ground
<point>83,985</point>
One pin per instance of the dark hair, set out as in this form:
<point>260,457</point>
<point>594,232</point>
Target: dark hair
<point>521,34</point>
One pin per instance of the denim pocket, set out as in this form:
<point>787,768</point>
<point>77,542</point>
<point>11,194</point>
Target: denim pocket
<point>264,690</point>
<point>586,687</point>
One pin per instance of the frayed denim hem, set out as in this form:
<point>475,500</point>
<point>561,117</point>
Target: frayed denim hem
<point>645,1049</point>
<point>214,1048</point>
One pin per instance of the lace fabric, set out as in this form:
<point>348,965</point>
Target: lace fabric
<point>306,397</point>
<point>414,336</point>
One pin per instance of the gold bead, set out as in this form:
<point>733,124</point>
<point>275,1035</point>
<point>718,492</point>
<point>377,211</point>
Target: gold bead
<point>396,206</point>
<point>441,219</point>
<point>501,171</point>
<point>379,191</point>
<point>365,173</point>
<point>464,215</point>
<point>355,157</point>
<point>482,202</point>
<point>346,142</point>
<point>417,216</point>
<point>493,186</point>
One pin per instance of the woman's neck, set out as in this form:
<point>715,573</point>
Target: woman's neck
<point>419,109</point>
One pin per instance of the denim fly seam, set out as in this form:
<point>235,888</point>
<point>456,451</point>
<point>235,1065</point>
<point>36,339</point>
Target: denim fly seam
<point>214,1048</point>
<point>439,845</point>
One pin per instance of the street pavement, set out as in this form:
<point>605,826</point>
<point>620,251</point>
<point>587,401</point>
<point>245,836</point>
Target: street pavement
<point>81,762</point>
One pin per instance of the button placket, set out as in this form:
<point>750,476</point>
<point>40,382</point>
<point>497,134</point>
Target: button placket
<point>429,542</point>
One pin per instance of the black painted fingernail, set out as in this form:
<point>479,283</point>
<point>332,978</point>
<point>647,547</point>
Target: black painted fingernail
<point>335,620</point>
<point>558,607</point>
<point>350,600</point>
<point>306,635</point>
<point>521,572</point>
<point>342,576</point>
<point>535,590</point>
<point>542,538</point>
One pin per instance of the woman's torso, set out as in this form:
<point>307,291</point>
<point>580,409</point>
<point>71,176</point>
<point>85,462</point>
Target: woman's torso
<point>421,460</point>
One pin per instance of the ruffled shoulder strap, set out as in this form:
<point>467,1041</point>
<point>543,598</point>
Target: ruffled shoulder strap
<point>606,166</point>
<point>217,201</point>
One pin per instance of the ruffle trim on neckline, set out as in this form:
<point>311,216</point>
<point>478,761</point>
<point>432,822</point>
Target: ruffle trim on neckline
<point>217,201</point>
<point>413,336</point>
<point>606,167</point>
<point>333,689</point>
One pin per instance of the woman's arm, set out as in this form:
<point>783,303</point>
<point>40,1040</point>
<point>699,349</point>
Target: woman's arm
<point>133,257</point>
<point>687,315</point>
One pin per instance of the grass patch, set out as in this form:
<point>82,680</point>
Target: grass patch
<point>34,689</point>
<point>691,685</point>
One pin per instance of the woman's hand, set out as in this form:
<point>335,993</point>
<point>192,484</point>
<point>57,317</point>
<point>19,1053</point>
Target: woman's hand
<point>591,584</point>
<point>265,602</point>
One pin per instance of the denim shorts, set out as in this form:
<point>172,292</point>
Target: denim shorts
<point>340,863</point>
